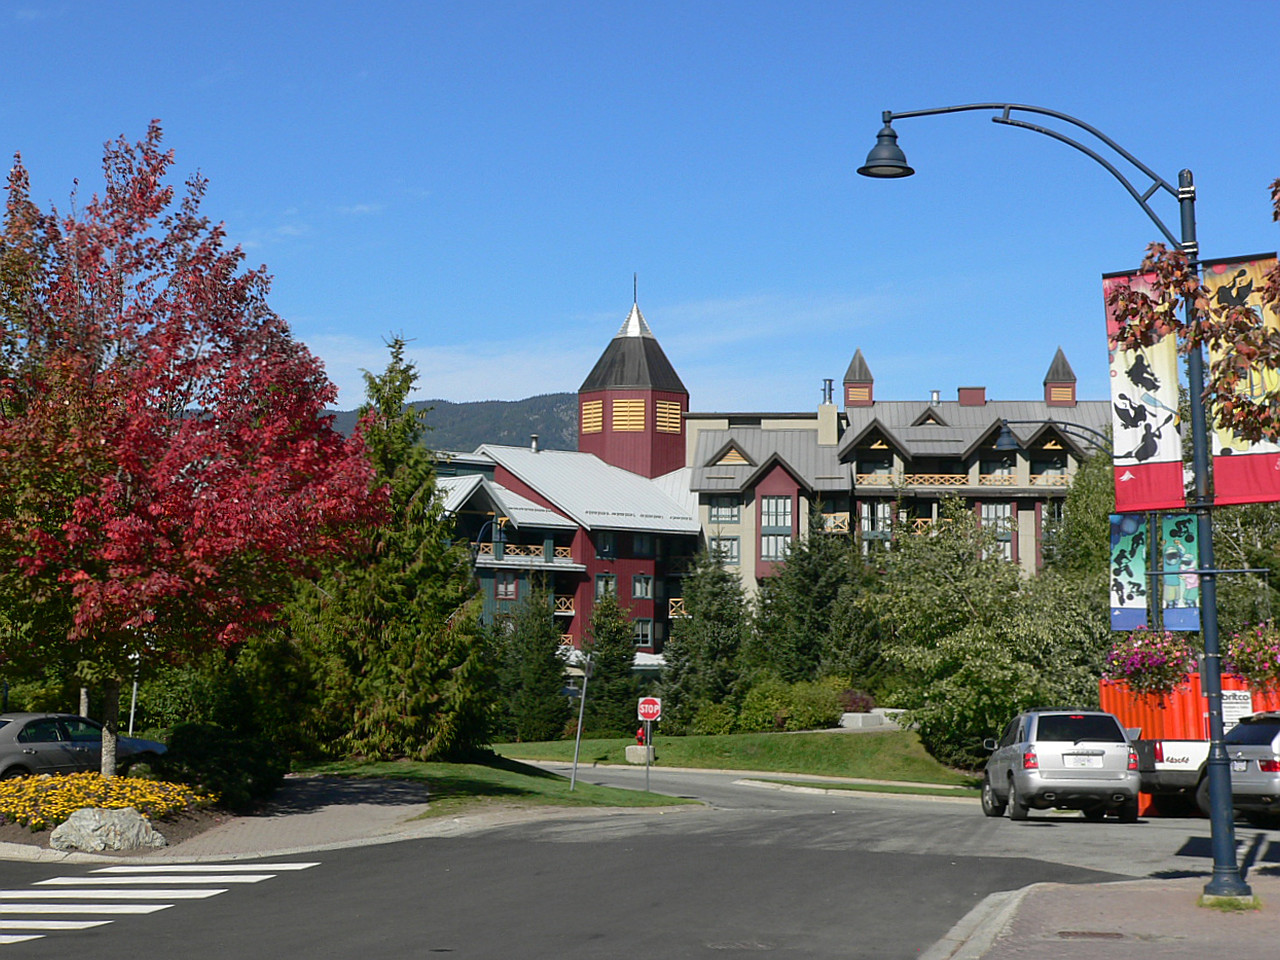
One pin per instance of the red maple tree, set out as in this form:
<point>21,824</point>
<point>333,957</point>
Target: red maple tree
<point>166,464</point>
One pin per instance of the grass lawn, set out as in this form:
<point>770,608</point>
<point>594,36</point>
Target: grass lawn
<point>456,787</point>
<point>891,755</point>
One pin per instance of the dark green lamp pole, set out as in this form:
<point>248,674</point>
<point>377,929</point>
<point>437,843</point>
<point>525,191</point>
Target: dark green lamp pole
<point>886,161</point>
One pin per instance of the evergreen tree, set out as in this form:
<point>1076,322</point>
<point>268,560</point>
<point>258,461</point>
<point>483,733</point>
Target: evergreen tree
<point>614,689</point>
<point>702,655</point>
<point>401,665</point>
<point>532,673</point>
<point>1079,544</point>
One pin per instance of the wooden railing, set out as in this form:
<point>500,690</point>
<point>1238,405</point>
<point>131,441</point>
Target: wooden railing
<point>566,639</point>
<point>676,608</point>
<point>835,522</point>
<point>524,551</point>
<point>565,605</point>
<point>997,480</point>
<point>484,550</point>
<point>1050,480</point>
<point>564,553</point>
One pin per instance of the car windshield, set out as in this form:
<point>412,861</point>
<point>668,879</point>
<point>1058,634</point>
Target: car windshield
<point>1076,727</point>
<point>1253,734</point>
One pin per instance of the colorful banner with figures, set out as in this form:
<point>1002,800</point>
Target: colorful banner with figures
<point>1144,417</point>
<point>1244,472</point>
<point>1128,571</point>
<point>1180,563</point>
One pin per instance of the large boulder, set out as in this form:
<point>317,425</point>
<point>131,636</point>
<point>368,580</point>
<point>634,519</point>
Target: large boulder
<point>92,829</point>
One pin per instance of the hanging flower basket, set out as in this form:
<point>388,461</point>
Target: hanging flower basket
<point>1151,663</point>
<point>1253,655</point>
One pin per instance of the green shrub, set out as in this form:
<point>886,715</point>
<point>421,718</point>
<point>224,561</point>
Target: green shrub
<point>767,706</point>
<point>713,719</point>
<point>815,704</point>
<point>240,770</point>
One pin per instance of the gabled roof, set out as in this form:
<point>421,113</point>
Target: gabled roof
<point>520,511</point>
<point>1060,371</point>
<point>815,467</point>
<point>968,427</point>
<point>633,361</point>
<point>595,494</point>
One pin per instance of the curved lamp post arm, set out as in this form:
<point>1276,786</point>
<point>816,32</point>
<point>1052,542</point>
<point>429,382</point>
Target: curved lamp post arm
<point>1096,437</point>
<point>1157,182</point>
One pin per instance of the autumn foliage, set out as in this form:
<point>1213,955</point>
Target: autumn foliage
<point>166,465</point>
<point>1238,341</point>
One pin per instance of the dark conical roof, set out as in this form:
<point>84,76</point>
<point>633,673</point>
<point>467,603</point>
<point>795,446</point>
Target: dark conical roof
<point>1060,371</point>
<point>633,361</point>
<point>858,371</point>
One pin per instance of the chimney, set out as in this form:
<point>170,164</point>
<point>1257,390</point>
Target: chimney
<point>828,390</point>
<point>935,397</point>
<point>533,443</point>
<point>972,396</point>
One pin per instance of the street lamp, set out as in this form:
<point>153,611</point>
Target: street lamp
<point>1007,441</point>
<point>887,161</point>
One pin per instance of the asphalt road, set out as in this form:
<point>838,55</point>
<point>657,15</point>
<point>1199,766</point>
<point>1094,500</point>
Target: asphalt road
<point>761,872</point>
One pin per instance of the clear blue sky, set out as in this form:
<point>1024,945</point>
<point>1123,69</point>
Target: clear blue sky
<point>485,177</point>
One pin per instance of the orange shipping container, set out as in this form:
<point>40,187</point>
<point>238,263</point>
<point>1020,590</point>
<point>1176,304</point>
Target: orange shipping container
<point>1181,715</point>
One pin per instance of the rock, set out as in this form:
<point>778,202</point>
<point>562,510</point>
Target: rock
<point>93,828</point>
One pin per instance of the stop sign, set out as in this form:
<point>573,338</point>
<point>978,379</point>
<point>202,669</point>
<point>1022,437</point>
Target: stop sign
<point>650,708</point>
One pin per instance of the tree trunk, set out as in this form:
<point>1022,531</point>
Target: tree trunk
<point>84,701</point>
<point>110,725</point>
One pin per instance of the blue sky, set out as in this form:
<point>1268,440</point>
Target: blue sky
<point>485,177</point>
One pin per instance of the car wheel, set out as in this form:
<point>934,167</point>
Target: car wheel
<point>1017,809</point>
<point>1202,796</point>
<point>15,772</point>
<point>991,804</point>
<point>1128,811</point>
<point>1095,813</point>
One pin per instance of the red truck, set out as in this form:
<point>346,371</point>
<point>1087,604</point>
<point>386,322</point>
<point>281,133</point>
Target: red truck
<point>1173,738</point>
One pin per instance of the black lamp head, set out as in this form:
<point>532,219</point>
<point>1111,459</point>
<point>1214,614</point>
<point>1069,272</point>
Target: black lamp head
<point>886,160</point>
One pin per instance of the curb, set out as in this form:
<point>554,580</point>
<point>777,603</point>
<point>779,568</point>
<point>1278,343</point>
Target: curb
<point>830,792</point>
<point>976,931</point>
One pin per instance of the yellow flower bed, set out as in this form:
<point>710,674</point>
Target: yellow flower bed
<point>45,801</point>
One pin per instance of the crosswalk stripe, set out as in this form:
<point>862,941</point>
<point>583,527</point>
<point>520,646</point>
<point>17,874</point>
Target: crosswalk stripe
<point>210,867</point>
<point>51,924</point>
<point>159,878</point>
<point>89,908</point>
<point>62,894</point>
<point>20,938</point>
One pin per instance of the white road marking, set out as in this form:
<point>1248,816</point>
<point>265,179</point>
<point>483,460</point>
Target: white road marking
<point>62,894</point>
<point>51,924</point>
<point>208,867</point>
<point>20,938</point>
<point>159,878</point>
<point>98,908</point>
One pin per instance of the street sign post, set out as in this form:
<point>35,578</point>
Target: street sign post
<point>649,710</point>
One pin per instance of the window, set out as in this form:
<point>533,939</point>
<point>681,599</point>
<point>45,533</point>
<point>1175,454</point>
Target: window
<point>999,517</point>
<point>606,585</point>
<point>505,585</point>
<point>82,730</point>
<point>725,549</point>
<point>668,416</point>
<point>606,544</point>
<point>875,522</point>
<point>44,730</point>
<point>775,512</point>
<point>725,509</point>
<point>642,632</point>
<point>642,545</point>
<point>628,416</point>
<point>774,546</point>
<point>642,588</point>
<point>593,416</point>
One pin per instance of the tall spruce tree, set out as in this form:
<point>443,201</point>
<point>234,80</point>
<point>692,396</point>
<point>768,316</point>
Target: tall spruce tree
<point>401,664</point>
<point>533,671</point>
<point>612,693</point>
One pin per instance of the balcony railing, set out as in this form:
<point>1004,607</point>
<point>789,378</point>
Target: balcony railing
<point>564,606</point>
<point>566,639</point>
<point>1050,480</point>
<point>524,551</point>
<point>835,522</point>
<point>676,608</point>
<point>997,480</point>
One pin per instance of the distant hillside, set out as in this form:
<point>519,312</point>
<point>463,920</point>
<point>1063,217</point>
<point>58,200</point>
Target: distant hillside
<point>464,426</point>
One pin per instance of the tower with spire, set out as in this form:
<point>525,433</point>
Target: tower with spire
<point>631,406</point>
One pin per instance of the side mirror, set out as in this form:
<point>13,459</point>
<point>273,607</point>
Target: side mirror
<point>989,743</point>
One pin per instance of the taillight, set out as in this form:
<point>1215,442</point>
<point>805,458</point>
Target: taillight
<point>1029,761</point>
<point>1133,759</point>
<point>1269,766</point>
<point>1159,751</point>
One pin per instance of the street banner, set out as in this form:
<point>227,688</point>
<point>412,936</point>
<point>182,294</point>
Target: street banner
<point>1180,554</point>
<point>1144,416</point>
<point>1244,472</point>
<point>1128,571</point>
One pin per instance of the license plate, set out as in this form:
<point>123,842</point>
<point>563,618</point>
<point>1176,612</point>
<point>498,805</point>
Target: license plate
<point>1239,766</point>
<point>1076,760</point>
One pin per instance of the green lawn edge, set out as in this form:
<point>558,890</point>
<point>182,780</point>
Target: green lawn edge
<point>497,783</point>
<point>881,755</point>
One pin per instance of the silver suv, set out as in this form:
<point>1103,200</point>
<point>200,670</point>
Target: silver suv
<point>1253,746</point>
<point>1066,759</point>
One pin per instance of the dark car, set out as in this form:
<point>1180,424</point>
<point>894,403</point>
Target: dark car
<point>62,743</point>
